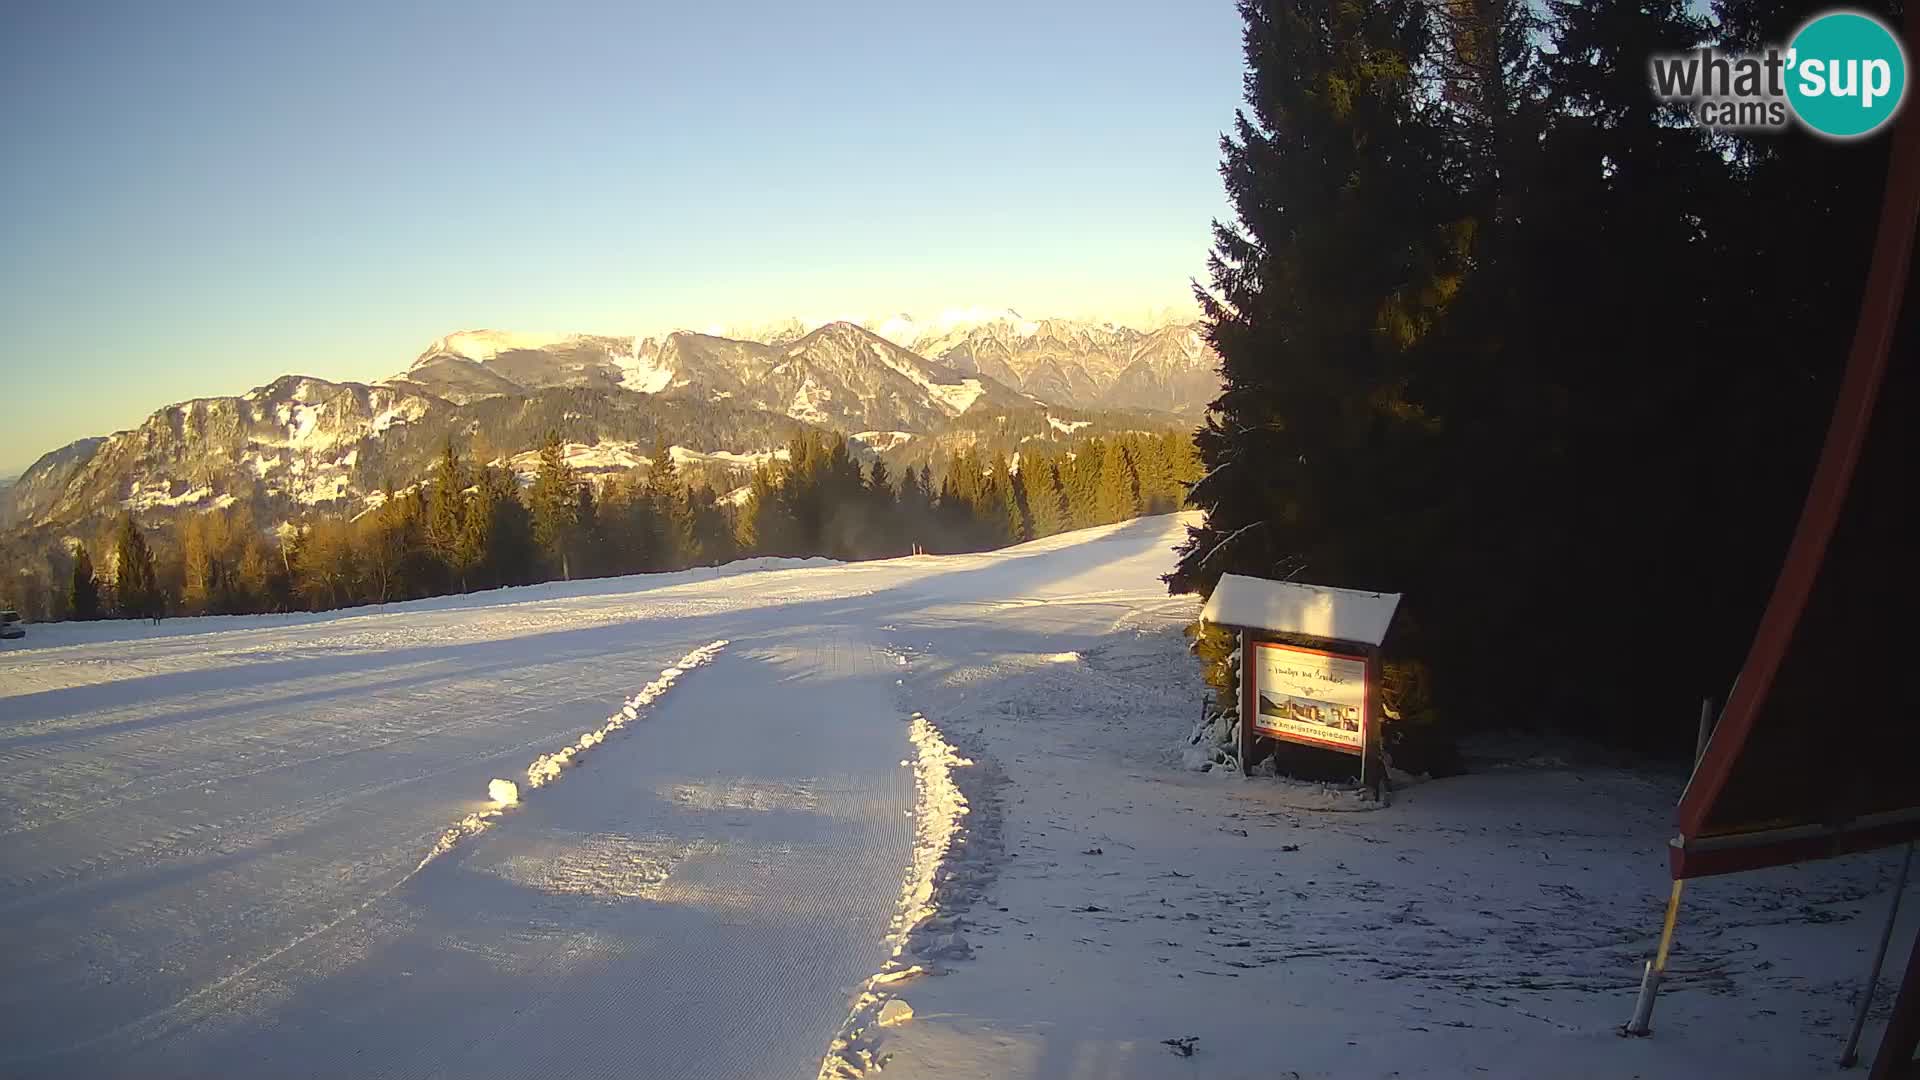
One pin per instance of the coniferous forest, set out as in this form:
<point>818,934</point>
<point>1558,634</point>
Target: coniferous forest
<point>1502,333</point>
<point>470,527</point>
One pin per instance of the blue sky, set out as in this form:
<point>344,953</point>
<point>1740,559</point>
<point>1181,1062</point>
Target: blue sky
<point>200,197</point>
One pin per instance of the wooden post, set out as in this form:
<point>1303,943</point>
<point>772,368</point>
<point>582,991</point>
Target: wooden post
<point>1247,701</point>
<point>1367,712</point>
<point>1377,723</point>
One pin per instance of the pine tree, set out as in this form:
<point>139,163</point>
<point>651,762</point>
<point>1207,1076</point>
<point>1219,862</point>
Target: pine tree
<point>554,501</point>
<point>956,512</point>
<point>83,596</point>
<point>1046,498</point>
<point>882,513</point>
<point>1119,490</point>
<point>1007,519</point>
<point>1183,464</point>
<point>1344,253</point>
<point>627,520</point>
<point>136,588</point>
<point>1082,475</point>
<point>588,550</point>
<point>918,506</point>
<point>450,533</point>
<point>673,539</point>
<point>713,528</point>
<point>802,494</point>
<point>501,531</point>
<point>1020,508</point>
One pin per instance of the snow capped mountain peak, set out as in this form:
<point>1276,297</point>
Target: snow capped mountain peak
<point>1063,361</point>
<point>483,345</point>
<point>907,329</point>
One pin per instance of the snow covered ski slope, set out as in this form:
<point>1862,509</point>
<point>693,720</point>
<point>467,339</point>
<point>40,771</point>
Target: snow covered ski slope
<point>212,831</point>
<point>803,819</point>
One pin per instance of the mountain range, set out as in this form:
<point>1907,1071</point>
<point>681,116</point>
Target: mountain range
<point>792,369</point>
<point>722,401</point>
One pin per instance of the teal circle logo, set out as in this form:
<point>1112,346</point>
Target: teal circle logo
<point>1846,74</point>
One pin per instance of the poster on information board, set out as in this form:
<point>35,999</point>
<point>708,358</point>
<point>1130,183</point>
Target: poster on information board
<point>1311,696</point>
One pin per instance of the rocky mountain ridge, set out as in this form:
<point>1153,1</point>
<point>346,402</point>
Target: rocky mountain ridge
<point>302,441</point>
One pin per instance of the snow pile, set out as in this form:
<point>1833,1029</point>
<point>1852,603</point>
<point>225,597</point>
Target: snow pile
<point>547,767</point>
<point>1214,744</point>
<point>952,862</point>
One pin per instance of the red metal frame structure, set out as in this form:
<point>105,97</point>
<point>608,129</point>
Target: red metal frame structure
<point>1758,797</point>
<point>1815,751</point>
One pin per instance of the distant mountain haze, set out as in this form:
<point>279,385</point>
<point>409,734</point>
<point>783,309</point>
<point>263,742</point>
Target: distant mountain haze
<point>721,402</point>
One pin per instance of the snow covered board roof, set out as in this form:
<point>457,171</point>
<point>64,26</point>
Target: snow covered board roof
<point>1288,607</point>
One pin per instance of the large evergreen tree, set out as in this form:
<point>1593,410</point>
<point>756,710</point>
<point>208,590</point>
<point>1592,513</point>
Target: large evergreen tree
<point>1344,250</point>
<point>554,503</point>
<point>1118,495</point>
<point>136,588</point>
<point>713,528</point>
<point>453,537</point>
<point>501,531</point>
<point>83,595</point>
<point>1046,498</point>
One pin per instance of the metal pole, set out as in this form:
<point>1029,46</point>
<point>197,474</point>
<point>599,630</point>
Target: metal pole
<point>1847,1057</point>
<point>1657,967</point>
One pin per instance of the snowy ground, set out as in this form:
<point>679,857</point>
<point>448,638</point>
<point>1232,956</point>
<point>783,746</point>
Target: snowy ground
<point>211,836</point>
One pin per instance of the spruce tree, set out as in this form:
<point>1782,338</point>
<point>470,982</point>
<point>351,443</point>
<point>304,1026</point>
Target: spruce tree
<point>673,539</point>
<point>1008,524</point>
<point>501,531</point>
<point>768,525</point>
<point>1082,475</point>
<point>1119,490</point>
<point>83,596</point>
<point>554,502</point>
<point>1046,498</point>
<point>136,588</point>
<point>881,513</point>
<point>915,508</point>
<point>713,528</point>
<point>1343,253</point>
<point>588,544</point>
<point>921,514</point>
<point>627,519</point>
<point>448,529</point>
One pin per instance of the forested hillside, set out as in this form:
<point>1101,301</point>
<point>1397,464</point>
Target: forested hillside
<point>472,525</point>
